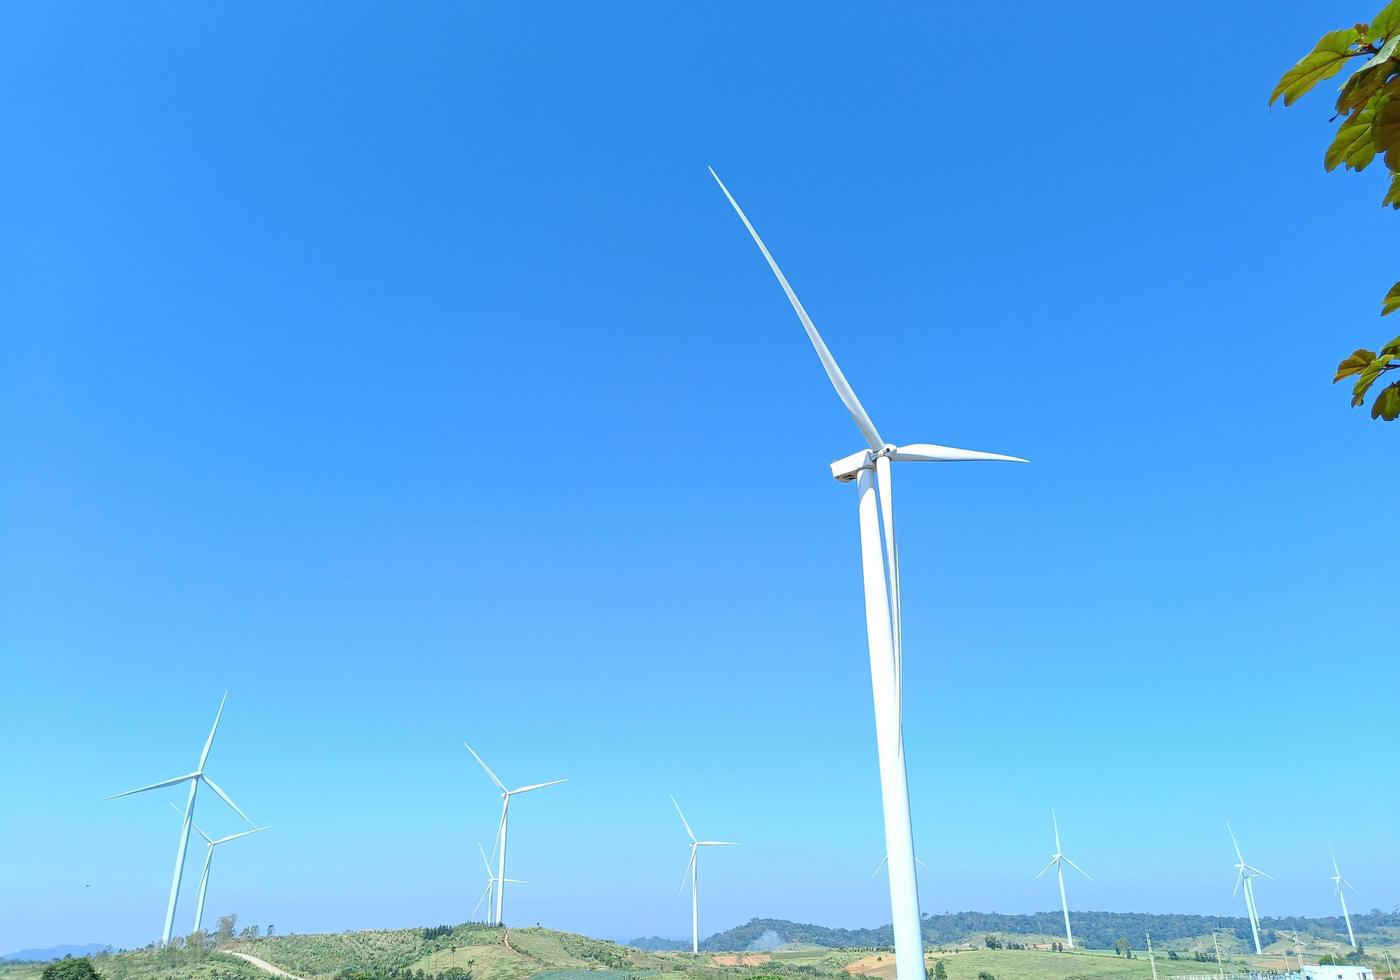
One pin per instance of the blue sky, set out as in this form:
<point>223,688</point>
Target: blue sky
<point>400,369</point>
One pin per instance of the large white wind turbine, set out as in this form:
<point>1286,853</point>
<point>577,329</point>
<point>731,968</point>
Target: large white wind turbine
<point>1058,861</point>
<point>1245,878</point>
<point>1342,883</point>
<point>869,469</point>
<point>209,860</point>
<point>194,779</point>
<point>506,794</point>
<point>692,871</point>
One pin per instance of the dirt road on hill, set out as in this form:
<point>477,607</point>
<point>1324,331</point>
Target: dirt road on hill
<point>265,966</point>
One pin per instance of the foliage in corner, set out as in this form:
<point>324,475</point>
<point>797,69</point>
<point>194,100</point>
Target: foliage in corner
<point>1368,106</point>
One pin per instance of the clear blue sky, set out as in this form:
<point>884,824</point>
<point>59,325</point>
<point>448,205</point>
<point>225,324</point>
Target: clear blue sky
<point>400,369</point>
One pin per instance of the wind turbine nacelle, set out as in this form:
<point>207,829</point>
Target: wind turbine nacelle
<point>846,470</point>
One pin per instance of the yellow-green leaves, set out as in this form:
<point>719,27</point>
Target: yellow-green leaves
<point>1392,300</point>
<point>1357,362</point>
<point>1321,62</point>
<point>1369,366</point>
<point>1354,144</point>
<point>1387,403</point>
<point>1386,23</point>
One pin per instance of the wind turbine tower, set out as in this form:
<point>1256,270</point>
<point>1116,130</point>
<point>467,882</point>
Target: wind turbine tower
<point>194,779</point>
<point>1058,861</point>
<point>692,871</point>
<point>1341,882</point>
<point>1245,878</point>
<point>869,469</point>
<point>209,860</point>
<point>506,794</point>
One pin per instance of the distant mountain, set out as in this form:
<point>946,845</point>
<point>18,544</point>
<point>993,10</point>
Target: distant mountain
<point>658,944</point>
<point>52,953</point>
<point>1094,930</point>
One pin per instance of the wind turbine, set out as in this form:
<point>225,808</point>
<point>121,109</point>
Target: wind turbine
<point>506,794</point>
<point>194,779</point>
<point>869,469</point>
<point>209,860</point>
<point>885,860</point>
<point>490,882</point>
<point>1246,876</point>
<point>1339,881</point>
<point>1058,861</point>
<point>692,871</point>
<point>1297,950</point>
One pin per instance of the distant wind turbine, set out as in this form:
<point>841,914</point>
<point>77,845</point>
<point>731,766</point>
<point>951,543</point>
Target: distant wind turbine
<point>506,794</point>
<point>1058,861</point>
<point>194,779</point>
<point>1297,951</point>
<point>692,871</point>
<point>490,882</point>
<point>209,860</point>
<point>870,470</point>
<point>1339,881</point>
<point>1246,876</point>
<point>885,860</point>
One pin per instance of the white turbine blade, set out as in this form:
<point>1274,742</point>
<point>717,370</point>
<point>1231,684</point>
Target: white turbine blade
<point>526,789</point>
<point>484,861</point>
<point>921,864</point>
<point>885,486</point>
<point>489,886</point>
<point>500,828</point>
<point>515,881</point>
<point>160,785</point>
<point>1055,822</point>
<point>227,799</point>
<point>201,833</point>
<point>1079,869</point>
<point>486,767</point>
<point>1258,873</point>
<point>688,831</point>
<point>1238,879</point>
<point>1047,867</point>
<point>833,371</point>
<point>925,452</point>
<point>245,833</point>
<point>1234,841</point>
<point>883,861</point>
<point>209,742</point>
<point>689,864</point>
<point>717,843</point>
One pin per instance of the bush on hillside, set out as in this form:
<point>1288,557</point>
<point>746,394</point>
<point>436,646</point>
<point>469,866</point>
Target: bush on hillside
<point>71,968</point>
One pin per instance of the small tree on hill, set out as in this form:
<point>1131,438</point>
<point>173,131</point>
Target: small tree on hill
<point>940,972</point>
<point>227,923</point>
<point>1120,945</point>
<point>71,968</point>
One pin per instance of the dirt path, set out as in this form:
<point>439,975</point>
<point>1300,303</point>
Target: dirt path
<point>265,966</point>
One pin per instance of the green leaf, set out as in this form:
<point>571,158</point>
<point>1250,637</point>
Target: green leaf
<point>1324,61</point>
<point>1367,80</point>
<point>1385,131</point>
<point>1392,196</point>
<point>1392,348</point>
<point>1392,300</point>
<point>1354,143</point>
<point>1368,377</point>
<point>1358,361</point>
<point>1386,23</point>
<point>1387,403</point>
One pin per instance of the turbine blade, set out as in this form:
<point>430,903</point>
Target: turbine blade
<point>486,767</point>
<point>1047,867</point>
<point>489,885</point>
<point>201,833</point>
<point>833,371</point>
<point>688,831</point>
<point>227,799</point>
<point>484,860</point>
<point>1234,841</point>
<point>526,789</point>
<point>921,864</point>
<point>689,864</point>
<point>160,785</point>
<point>1056,823</point>
<point>717,843</point>
<point>209,742</point>
<point>245,833</point>
<point>515,881</point>
<point>1238,879</point>
<point>883,861</point>
<point>1079,869</point>
<point>925,452</point>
